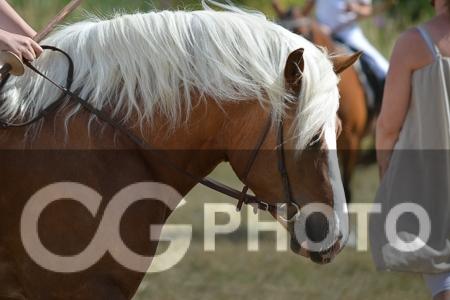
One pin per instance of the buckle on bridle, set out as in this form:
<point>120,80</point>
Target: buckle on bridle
<point>242,199</point>
<point>263,206</point>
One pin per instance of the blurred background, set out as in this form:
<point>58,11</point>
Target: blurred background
<point>381,29</point>
<point>232,271</point>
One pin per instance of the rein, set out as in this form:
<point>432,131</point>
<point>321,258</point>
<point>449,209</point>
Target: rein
<point>242,196</point>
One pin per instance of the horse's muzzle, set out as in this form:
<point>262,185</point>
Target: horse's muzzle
<point>321,245</point>
<point>318,257</point>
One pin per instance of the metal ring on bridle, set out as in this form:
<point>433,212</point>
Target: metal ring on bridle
<point>293,216</point>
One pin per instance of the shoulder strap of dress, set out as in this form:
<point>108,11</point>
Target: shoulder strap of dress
<point>431,45</point>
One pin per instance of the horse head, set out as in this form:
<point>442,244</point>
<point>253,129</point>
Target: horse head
<point>303,183</point>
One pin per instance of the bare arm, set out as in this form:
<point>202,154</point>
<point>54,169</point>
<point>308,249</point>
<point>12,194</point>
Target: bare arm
<point>396,100</point>
<point>15,34</point>
<point>309,6</point>
<point>11,21</point>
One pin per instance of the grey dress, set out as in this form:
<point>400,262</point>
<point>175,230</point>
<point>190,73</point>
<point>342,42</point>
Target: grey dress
<point>418,178</point>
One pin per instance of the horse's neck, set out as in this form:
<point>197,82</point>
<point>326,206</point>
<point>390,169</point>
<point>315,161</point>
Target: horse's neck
<point>212,135</point>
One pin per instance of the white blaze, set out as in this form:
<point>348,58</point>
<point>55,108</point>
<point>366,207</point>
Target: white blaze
<point>340,203</point>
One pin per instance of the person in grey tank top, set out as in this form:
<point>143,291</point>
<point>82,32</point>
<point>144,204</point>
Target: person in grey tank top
<point>415,122</point>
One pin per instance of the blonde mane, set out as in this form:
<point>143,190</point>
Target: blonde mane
<point>146,62</point>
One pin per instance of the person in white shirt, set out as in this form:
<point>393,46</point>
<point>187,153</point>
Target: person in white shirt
<point>341,18</point>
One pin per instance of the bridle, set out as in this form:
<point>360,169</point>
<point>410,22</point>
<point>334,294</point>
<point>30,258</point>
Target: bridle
<point>243,196</point>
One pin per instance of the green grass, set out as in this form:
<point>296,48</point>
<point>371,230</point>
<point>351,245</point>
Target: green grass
<point>39,13</point>
<point>232,272</point>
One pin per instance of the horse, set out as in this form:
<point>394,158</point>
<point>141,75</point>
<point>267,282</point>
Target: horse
<point>198,88</point>
<point>357,120</point>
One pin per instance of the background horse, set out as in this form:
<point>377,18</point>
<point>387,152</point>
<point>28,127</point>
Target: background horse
<point>353,109</point>
<point>197,86</point>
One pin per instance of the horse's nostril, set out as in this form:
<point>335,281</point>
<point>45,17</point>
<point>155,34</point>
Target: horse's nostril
<point>317,227</point>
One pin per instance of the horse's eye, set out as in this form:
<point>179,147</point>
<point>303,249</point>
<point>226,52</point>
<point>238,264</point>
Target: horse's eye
<point>315,140</point>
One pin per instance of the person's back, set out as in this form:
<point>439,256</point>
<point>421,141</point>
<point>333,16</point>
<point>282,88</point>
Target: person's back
<point>413,73</point>
<point>438,30</point>
<point>415,121</point>
<point>426,125</point>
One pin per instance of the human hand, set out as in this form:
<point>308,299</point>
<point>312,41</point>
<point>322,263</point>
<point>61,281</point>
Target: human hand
<point>22,46</point>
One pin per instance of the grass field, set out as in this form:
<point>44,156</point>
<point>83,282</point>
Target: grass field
<point>231,271</point>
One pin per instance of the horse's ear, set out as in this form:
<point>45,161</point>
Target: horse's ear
<point>342,62</point>
<point>293,71</point>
